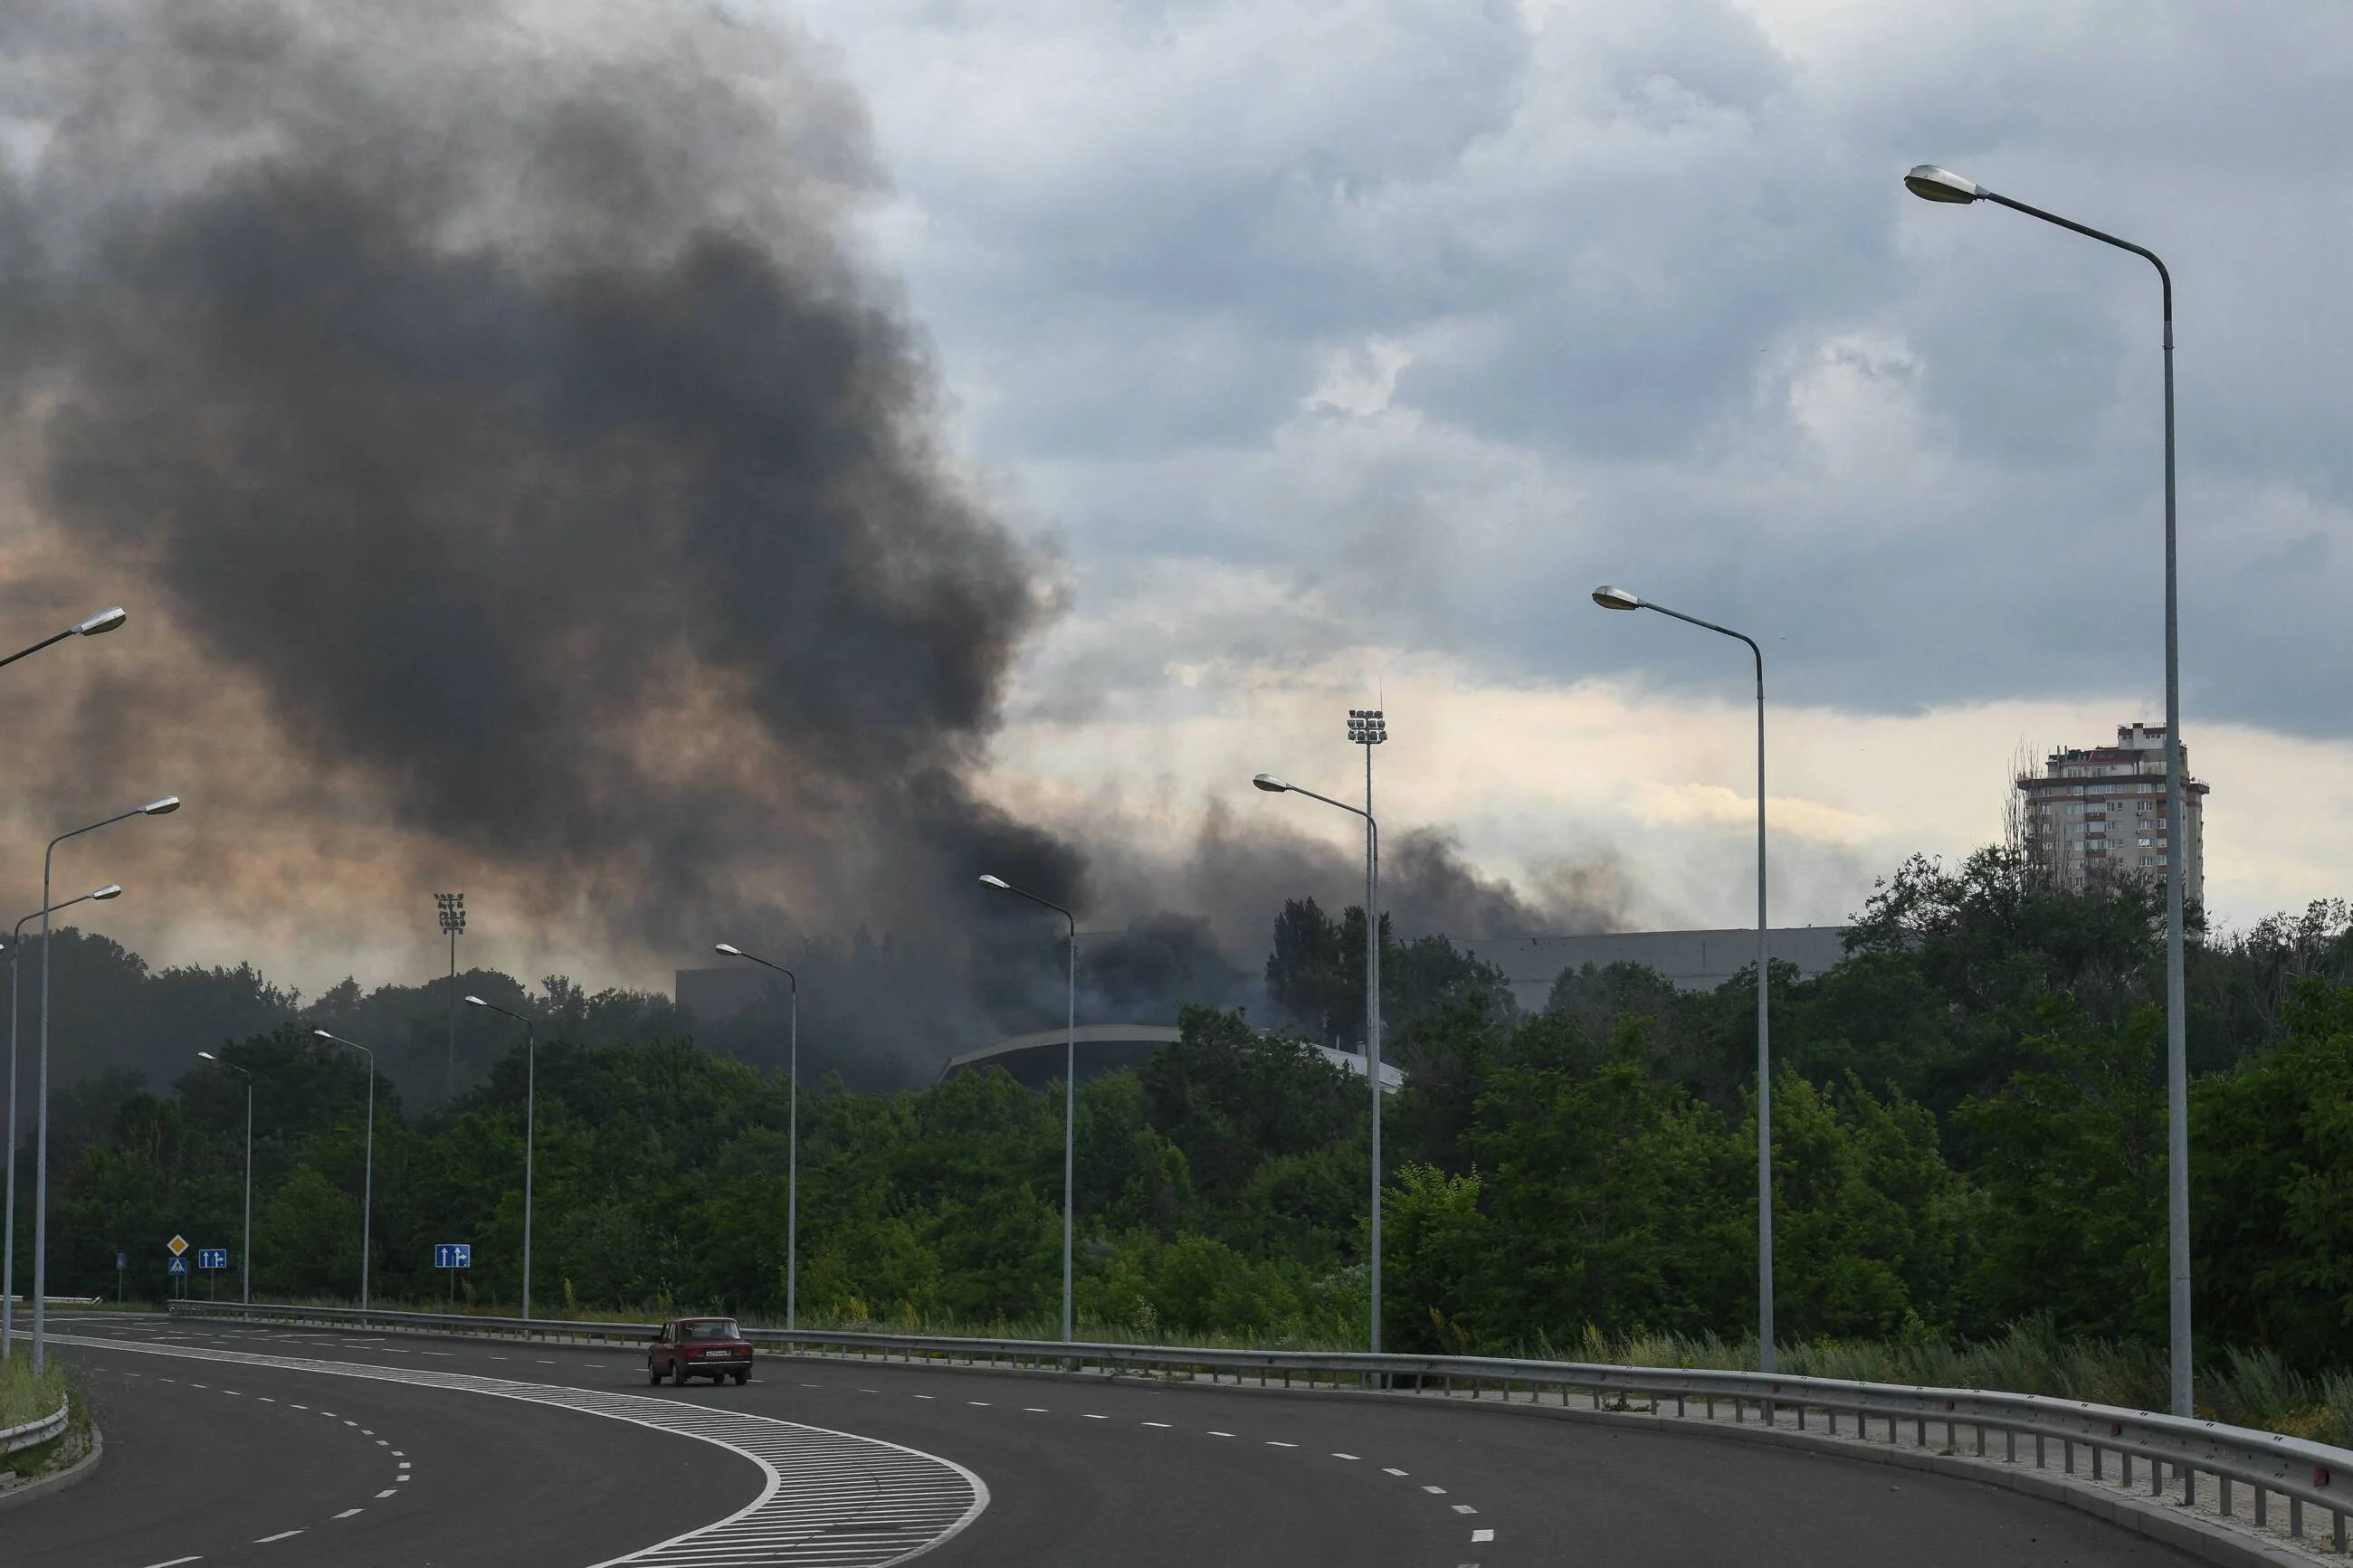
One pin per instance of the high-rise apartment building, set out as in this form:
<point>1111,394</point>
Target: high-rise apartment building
<point>2097,816</point>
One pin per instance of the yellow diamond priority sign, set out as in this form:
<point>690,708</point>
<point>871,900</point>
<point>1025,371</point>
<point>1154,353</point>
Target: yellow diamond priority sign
<point>178,1244</point>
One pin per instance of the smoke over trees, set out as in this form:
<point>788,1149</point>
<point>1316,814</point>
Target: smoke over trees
<point>523,481</point>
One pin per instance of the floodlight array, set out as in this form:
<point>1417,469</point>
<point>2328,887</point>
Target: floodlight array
<point>453,912</point>
<point>1367,727</point>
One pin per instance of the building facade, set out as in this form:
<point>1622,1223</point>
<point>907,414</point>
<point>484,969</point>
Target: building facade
<point>2097,816</point>
<point>1691,960</point>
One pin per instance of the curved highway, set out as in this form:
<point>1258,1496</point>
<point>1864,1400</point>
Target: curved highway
<point>237,1444</point>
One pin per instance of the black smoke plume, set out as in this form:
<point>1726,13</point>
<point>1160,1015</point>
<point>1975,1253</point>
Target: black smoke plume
<point>524,484</point>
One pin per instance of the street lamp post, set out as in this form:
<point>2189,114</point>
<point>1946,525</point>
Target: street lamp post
<point>1621,599</point>
<point>529,1128</point>
<point>89,627</point>
<point>1932,184</point>
<point>248,1289</point>
<point>1070,1086</point>
<point>793,1137</point>
<point>159,807</point>
<point>8,1245</point>
<point>453,926</point>
<point>367,1188</point>
<point>1274,785</point>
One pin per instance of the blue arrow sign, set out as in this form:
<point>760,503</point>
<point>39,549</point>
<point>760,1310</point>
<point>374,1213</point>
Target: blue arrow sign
<point>453,1255</point>
<point>179,1265</point>
<point>212,1258</point>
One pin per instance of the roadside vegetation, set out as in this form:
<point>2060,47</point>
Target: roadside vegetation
<point>1969,1167</point>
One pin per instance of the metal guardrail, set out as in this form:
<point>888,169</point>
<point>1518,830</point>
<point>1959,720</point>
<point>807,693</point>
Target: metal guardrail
<point>2268,1464</point>
<point>32,1434</point>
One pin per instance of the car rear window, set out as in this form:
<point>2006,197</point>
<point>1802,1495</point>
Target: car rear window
<point>708,1329</point>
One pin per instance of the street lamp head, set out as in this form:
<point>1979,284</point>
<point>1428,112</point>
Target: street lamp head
<point>729,948</point>
<point>1931,183</point>
<point>111,891</point>
<point>1270,783</point>
<point>989,881</point>
<point>1610,598</point>
<point>104,620</point>
<point>208,1055</point>
<point>164,807</point>
<point>476,1002</point>
<point>322,1033</point>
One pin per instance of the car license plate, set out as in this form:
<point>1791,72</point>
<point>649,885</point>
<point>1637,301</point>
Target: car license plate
<point>717,1355</point>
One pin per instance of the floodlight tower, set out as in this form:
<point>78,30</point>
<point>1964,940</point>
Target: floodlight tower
<point>453,926</point>
<point>1367,728</point>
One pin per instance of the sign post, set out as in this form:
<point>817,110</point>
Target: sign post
<point>453,1256</point>
<point>121,1268</point>
<point>178,1248</point>
<point>212,1260</point>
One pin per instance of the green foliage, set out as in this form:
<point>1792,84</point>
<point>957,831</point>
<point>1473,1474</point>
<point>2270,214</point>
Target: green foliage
<point>1968,1161</point>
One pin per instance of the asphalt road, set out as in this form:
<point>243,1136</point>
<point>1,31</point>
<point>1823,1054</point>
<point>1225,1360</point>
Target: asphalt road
<point>1078,1473</point>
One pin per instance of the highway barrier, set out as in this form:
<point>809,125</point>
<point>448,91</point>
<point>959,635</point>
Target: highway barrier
<point>33,1434</point>
<point>2081,1440</point>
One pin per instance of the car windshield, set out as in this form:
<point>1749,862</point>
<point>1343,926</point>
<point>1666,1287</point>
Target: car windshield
<point>708,1329</point>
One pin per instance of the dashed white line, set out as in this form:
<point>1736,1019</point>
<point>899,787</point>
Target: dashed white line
<point>1478,1535</point>
<point>982,1403</point>
<point>1388,1471</point>
<point>927,1396</point>
<point>174,1561</point>
<point>1341,1456</point>
<point>387,1493</point>
<point>1155,1424</point>
<point>1464,1508</point>
<point>1221,1434</point>
<point>282,1535</point>
<point>1435,1491</point>
<point>1272,1444</point>
<point>348,1512</point>
<point>1036,1410</point>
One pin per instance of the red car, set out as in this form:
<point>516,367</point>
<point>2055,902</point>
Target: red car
<point>699,1347</point>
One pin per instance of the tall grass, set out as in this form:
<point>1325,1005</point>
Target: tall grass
<point>25,1398</point>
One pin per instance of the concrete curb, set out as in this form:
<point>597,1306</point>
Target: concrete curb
<point>72,1475</point>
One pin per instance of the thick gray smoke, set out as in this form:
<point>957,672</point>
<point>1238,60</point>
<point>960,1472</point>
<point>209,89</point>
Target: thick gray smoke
<point>487,405</point>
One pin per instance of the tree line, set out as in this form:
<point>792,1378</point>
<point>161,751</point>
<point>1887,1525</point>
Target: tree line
<point>1969,1120</point>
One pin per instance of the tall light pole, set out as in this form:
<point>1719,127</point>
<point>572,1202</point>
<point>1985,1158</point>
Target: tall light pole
<point>368,1189</point>
<point>8,1245</point>
<point>89,627</point>
<point>162,807</point>
<point>793,1137</point>
<point>529,1128</point>
<point>1070,1087</point>
<point>248,1167</point>
<point>1274,785</point>
<point>1932,184</point>
<point>453,926</point>
<point>1621,599</point>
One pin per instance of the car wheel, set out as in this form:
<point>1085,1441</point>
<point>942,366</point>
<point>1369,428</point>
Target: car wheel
<point>653,1373</point>
<point>742,1377</point>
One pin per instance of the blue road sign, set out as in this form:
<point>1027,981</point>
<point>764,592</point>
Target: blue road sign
<point>453,1255</point>
<point>179,1265</point>
<point>212,1258</point>
<point>121,1261</point>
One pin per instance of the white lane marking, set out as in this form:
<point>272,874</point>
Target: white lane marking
<point>348,1512</point>
<point>282,1535</point>
<point>174,1561</point>
<point>1155,1424</point>
<point>1221,1434</point>
<point>395,1453</point>
<point>1387,1471</point>
<point>927,1396</point>
<point>1339,1456</point>
<point>1464,1508</point>
<point>1435,1491</point>
<point>498,1358</point>
<point>1272,1444</point>
<point>1036,1410</point>
<point>1092,1417</point>
<point>404,1465</point>
<point>831,1498</point>
<point>387,1493</point>
<point>982,1403</point>
<point>1478,1535</point>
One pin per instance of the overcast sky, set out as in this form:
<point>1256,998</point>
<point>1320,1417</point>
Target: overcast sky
<point>1341,348</point>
